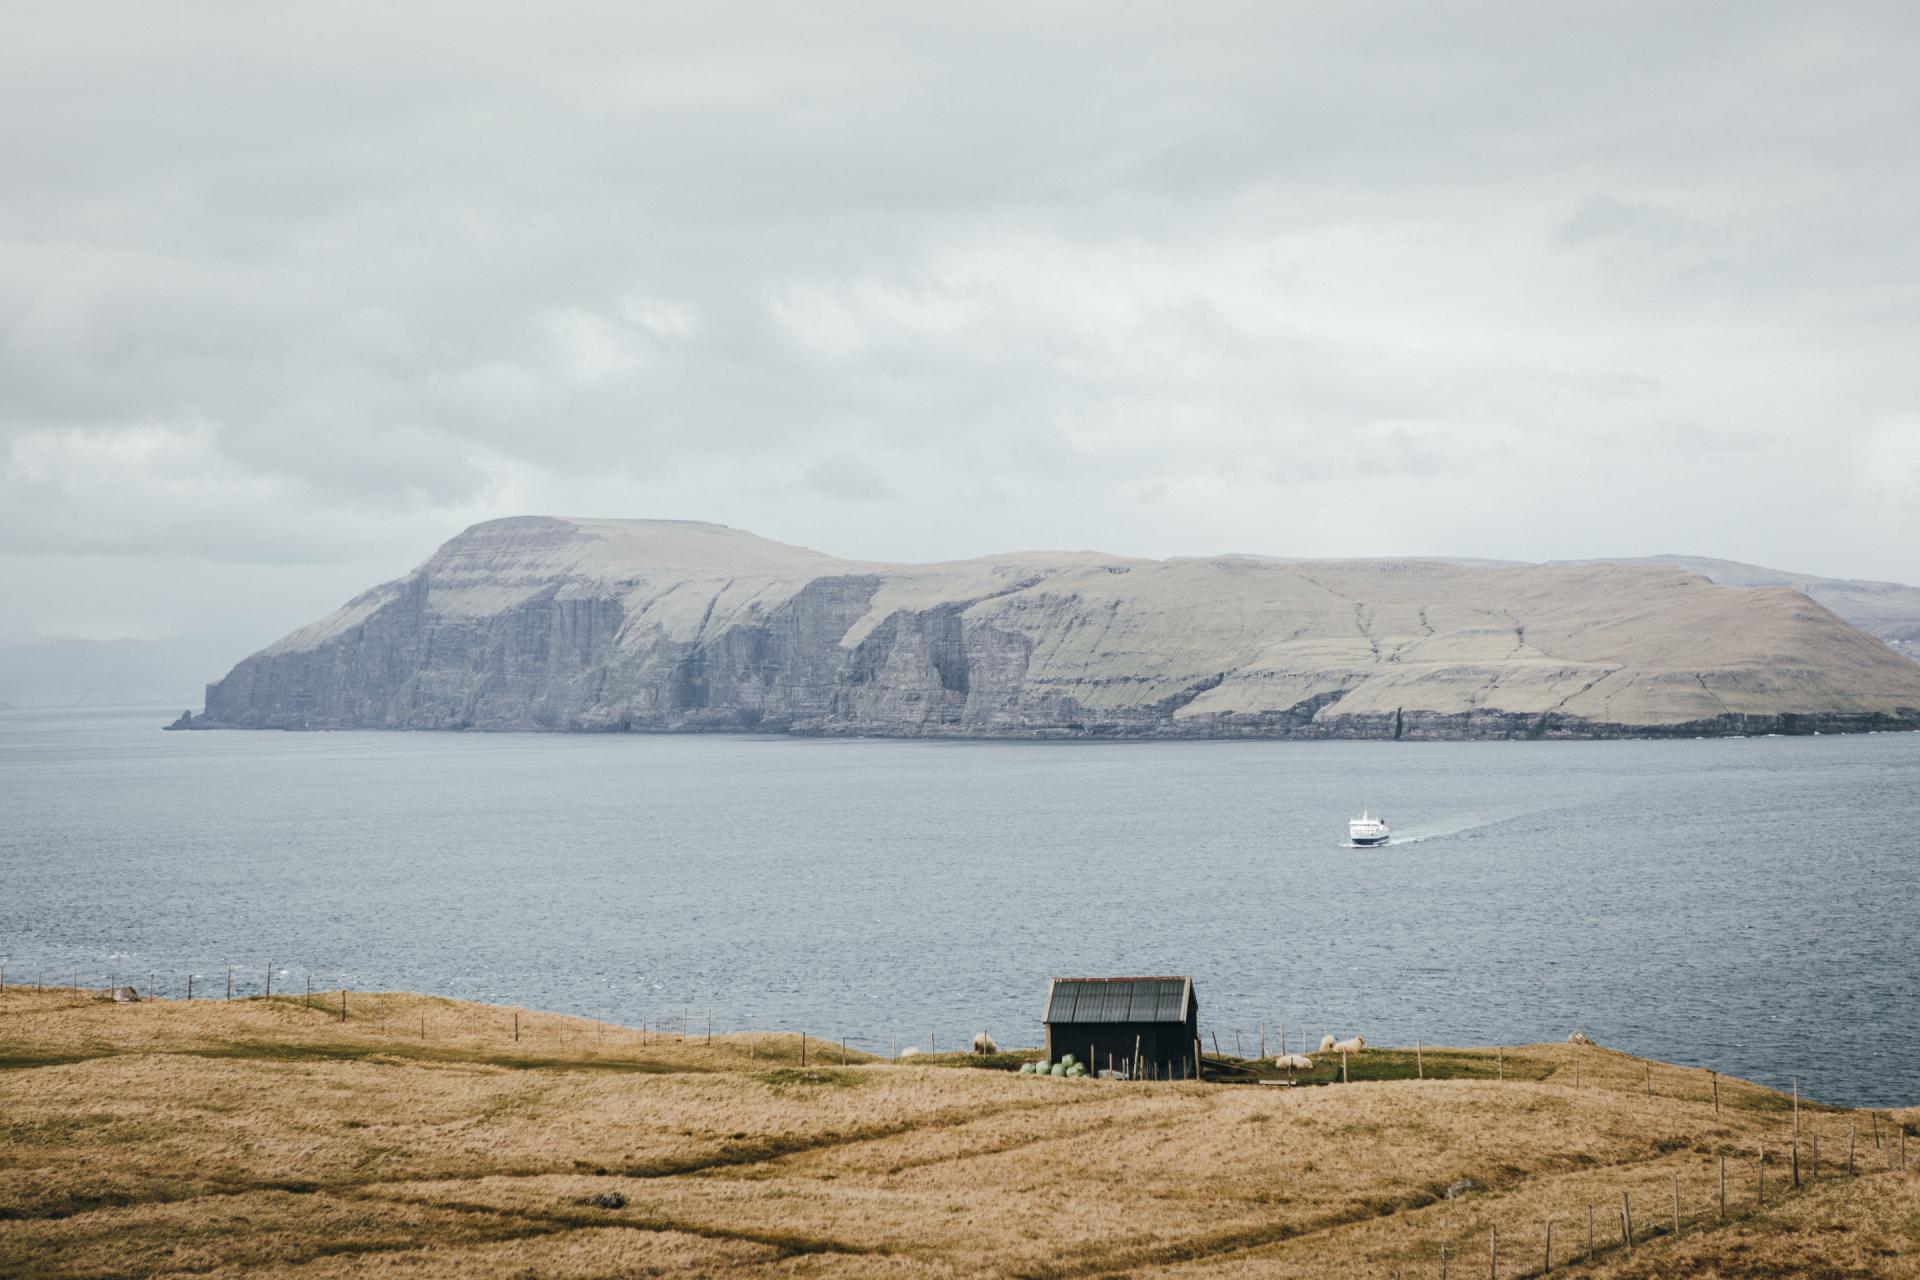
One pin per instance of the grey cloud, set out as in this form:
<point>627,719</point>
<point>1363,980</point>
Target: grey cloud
<point>298,286</point>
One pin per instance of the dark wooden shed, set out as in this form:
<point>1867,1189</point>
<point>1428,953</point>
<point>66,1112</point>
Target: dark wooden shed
<point>1106,1022</point>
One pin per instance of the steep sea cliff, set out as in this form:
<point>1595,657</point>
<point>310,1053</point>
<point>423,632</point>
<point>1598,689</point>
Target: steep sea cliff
<point>598,625</point>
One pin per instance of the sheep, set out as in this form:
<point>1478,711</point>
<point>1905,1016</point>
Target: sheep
<point>1579,1037</point>
<point>1326,1043</point>
<point>911,1051</point>
<point>1353,1045</point>
<point>1293,1062</point>
<point>983,1044</point>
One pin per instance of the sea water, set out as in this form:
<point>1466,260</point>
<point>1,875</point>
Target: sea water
<point>1751,905</point>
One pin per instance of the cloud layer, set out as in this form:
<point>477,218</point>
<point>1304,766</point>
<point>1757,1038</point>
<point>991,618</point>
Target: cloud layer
<point>310,290</point>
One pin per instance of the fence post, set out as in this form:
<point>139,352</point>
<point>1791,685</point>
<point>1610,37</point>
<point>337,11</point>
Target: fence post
<point>343,1004</point>
<point>1760,1196</point>
<point>1626,1221</point>
<point>1716,1092</point>
<point>1853,1132</point>
<point>1419,1062</point>
<point>1723,1186</point>
<point>1676,1206</point>
<point>1589,1231</point>
<point>1493,1253</point>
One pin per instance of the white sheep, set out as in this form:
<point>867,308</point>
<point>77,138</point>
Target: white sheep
<point>1354,1045</point>
<point>1293,1062</point>
<point>911,1051</point>
<point>1326,1044</point>
<point>983,1043</point>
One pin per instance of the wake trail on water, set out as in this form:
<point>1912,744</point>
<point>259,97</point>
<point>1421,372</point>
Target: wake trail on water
<point>1446,830</point>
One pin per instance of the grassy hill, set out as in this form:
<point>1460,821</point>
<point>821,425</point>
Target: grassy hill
<point>421,1138</point>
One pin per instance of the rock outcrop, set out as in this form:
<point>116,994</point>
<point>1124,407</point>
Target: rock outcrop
<point>539,623</point>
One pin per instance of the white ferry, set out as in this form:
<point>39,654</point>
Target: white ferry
<point>1367,830</point>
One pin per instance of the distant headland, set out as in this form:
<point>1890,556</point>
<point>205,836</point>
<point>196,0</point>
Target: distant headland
<point>536,623</point>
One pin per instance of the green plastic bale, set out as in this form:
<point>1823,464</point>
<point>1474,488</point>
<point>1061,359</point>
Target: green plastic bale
<point>1026,1068</point>
<point>1059,1069</point>
<point>1068,1059</point>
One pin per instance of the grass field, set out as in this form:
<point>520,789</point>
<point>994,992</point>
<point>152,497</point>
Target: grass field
<point>418,1138</point>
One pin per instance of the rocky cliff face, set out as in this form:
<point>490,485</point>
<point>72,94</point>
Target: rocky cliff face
<point>537,623</point>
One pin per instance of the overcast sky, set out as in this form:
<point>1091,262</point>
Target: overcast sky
<point>291,294</point>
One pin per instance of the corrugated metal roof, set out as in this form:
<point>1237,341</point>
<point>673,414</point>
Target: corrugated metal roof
<point>1073,1000</point>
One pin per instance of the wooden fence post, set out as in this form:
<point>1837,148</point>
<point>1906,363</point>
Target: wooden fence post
<point>1716,1092</point>
<point>1419,1062</point>
<point>1343,1066</point>
<point>269,977</point>
<point>1493,1253</point>
<point>1676,1206</point>
<point>1648,1068</point>
<point>1443,1248</point>
<point>1626,1222</point>
<point>1760,1195</point>
<point>229,982</point>
<point>343,1004</point>
<point>1502,1051</point>
<point>803,1048</point>
<point>189,986</point>
<point>1546,1265</point>
<point>1796,1110</point>
<point>1796,1162</point>
<point>516,1028</point>
<point>1589,1231</point>
<point>1853,1133</point>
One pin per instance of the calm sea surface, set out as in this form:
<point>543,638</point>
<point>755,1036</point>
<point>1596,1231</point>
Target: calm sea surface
<point>1751,905</point>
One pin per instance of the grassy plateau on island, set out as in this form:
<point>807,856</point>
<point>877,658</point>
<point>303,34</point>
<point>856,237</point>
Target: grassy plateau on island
<point>419,1138</point>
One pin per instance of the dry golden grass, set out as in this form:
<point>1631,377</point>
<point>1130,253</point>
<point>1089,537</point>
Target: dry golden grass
<point>220,1138</point>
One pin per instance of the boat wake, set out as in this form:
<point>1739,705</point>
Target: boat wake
<point>1437,831</point>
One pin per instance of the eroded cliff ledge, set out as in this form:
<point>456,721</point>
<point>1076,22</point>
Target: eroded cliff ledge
<point>540,623</point>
